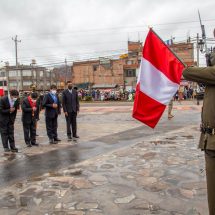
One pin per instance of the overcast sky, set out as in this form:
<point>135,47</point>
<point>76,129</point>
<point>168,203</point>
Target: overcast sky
<point>52,30</point>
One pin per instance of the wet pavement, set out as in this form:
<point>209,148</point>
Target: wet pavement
<point>117,167</point>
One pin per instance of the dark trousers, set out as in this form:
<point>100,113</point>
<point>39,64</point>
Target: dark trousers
<point>7,134</point>
<point>71,122</point>
<point>51,127</point>
<point>210,175</point>
<point>30,132</point>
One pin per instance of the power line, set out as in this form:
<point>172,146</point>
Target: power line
<point>86,44</point>
<point>112,28</point>
<point>83,44</point>
<point>75,54</point>
<point>80,57</point>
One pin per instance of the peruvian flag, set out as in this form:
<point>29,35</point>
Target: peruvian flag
<point>159,79</point>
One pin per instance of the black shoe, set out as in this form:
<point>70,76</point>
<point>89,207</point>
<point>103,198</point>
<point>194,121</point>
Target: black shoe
<point>6,150</point>
<point>29,145</point>
<point>69,138</point>
<point>14,150</point>
<point>76,136</point>
<point>51,141</point>
<point>57,140</point>
<point>35,144</point>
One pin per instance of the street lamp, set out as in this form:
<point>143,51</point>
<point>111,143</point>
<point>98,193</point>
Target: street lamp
<point>201,45</point>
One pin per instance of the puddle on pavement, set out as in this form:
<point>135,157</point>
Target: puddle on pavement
<point>160,142</point>
<point>10,157</point>
<point>188,136</point>
<point>54,174</point>
<point>19,185</point>
<point>171,138</point>
<point>34,179</point>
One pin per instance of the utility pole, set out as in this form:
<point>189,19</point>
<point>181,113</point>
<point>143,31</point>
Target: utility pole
<point>17,41</point>
<point>203,33</point>
<point>202,44</point>
<point>204,40</point>
<point>197,47</point>
<point>65,74</point>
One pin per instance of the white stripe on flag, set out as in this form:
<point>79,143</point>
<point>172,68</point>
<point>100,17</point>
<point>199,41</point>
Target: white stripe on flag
<point>155,84</point>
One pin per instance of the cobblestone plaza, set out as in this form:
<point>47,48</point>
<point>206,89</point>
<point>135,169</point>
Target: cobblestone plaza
<point>118,167</point>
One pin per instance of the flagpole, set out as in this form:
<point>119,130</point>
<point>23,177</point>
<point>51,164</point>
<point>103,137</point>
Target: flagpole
<point>150,28</point>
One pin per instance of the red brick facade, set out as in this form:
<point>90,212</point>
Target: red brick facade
<point>122,71</point>
<point>95,72</point>
<point>185,51</point>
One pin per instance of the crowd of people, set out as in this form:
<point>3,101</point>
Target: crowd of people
<point>105,95</point>
<point>183,93</point>
<point>31,106</point>
<point>188,92</point>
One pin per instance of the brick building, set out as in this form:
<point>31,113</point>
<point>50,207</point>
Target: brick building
<point>103,72</point>
<point>109,72</point>
<point>132,64</point>
<point>185,51</point>
<point>123,71</point>
<point>62,75</point>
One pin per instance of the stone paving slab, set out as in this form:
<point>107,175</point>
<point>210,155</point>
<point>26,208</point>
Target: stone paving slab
<point>161,174</point>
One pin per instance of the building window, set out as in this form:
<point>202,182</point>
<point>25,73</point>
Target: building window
<point>34,73</point>
<point>129,62</point>
<point>27,83</point>
<point>3,83</point>
<point>26,73</point>
<point>133,54</point>
<point>2,74</point>
<point>13,84</point>
<point>41,73</point>
<point>95,67</point>
<point>14,73</point>
<point>130,73</point>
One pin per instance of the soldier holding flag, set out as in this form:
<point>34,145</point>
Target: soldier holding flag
<point>206,75</point>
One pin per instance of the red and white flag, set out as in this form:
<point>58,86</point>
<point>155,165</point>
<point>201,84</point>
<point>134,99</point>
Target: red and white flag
<point>159,79</point>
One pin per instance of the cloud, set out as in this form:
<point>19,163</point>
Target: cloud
<point>52,30</point>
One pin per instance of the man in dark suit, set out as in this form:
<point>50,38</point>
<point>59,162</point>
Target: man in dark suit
<point>30,112</point>
<point>70,104</point>
<point>52,106</point>
<point>8,111</point>
<point>38,103</point>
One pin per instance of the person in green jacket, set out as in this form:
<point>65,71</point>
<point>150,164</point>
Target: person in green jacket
<point>206,76</point>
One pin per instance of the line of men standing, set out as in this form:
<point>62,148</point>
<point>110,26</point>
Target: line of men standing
<point>31,107</point>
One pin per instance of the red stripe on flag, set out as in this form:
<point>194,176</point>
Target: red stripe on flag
<point>146,109</point>
<point>159,55</point>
